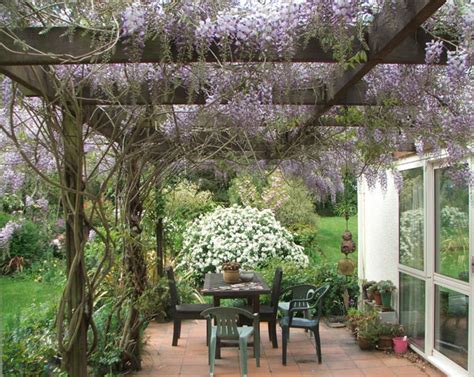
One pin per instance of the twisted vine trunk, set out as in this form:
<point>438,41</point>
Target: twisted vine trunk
<point>75,353</point>
<point>159,232</point>
<point>135,265</point>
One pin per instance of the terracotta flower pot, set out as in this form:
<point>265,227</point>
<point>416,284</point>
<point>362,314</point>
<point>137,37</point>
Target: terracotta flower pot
<point>378,298</point>
<point>385,343</point>
<point>231,276</point>
<point>364,344</point>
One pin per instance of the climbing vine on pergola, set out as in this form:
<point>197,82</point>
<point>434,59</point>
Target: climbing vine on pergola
<point>314,87</point>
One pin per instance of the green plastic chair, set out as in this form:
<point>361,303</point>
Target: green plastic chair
<point>226,328</point>
<point>311,306</point>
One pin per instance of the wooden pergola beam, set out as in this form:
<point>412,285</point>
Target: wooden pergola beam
<point>35,82</point>
<point>60,45</point>
<point>388,31</point>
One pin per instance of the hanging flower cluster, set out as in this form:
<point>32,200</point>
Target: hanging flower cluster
<point>242,234</point>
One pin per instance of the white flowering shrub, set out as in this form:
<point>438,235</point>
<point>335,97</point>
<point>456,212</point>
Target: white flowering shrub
<point>243,234</point>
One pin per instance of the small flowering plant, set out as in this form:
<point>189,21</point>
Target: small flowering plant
<point>230,266</point>
<point>244,235</point>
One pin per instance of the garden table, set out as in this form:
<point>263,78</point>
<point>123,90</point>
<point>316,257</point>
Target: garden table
<point>215,286</point>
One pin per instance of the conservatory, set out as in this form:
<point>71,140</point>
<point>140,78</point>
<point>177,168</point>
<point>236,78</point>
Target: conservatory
<point>421,236</point>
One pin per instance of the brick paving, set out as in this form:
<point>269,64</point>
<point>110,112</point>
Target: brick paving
<point>341,356</point>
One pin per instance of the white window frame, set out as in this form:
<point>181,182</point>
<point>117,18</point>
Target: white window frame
<point>428,274</point>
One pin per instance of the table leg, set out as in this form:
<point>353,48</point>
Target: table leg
<point>256,304</point>
<point>217,302</point>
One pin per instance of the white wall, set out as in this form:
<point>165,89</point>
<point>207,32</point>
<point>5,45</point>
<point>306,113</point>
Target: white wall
<point>378,232</point>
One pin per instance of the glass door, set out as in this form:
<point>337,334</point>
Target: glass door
<point>452,268</point>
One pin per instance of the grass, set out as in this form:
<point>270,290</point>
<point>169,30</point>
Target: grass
<point>19,294</point>
<point>329,237</point>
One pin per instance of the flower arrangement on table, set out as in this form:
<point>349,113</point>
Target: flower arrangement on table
<point>231,272</point>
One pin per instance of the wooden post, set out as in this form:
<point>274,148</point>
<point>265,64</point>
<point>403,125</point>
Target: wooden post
<point>75,358</point>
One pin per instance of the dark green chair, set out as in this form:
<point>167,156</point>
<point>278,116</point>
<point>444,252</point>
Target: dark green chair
<point>180,311</point>
<point>225,328</point>
<point>311,306</point>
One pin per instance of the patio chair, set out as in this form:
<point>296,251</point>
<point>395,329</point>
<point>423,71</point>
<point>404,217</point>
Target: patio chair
<point>311,303</point>
<point>181,311</point>
<point>225,328</point>
<point>268,313</point>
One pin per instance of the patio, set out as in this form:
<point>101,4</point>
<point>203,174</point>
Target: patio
<point>341,356</point>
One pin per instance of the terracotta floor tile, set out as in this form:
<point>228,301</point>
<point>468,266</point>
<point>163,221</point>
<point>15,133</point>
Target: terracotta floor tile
<point>378,372</point>
<point>342,364</point>
<point>347,373</point>
<point>369,363</point>
<point>395,362</point>
<point>408,370</point>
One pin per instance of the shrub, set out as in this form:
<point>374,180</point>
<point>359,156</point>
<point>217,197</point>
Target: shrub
<point>29,346</point>
<point>29,241</point>
<point>246,235</point>
<point>318,275</point>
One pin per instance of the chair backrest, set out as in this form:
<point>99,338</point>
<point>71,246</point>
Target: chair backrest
<point>172,287</point>
<point>308,297</point>
<point>276,289</point>
<point>226,320</point>
<point>317,299</point>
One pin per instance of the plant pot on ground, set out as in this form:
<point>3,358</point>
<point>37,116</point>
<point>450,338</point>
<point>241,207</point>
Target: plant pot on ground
<point>386,332</point>
<point>353,317</point>
<point>367,333</point>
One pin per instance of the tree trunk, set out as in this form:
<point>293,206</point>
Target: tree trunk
<point>135,264</point>
<point>160,240</point>
<point>75,358</point>
<point>159,230</point>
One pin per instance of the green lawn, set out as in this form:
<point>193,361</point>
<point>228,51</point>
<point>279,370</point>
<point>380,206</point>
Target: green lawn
<point>18,295</point>
<point>329,236</point>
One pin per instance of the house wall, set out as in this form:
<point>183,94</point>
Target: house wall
<point>378,232</point>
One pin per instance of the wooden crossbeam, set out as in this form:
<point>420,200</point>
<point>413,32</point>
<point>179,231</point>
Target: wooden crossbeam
<point>388,31</point>
<point>60,45</point>
<point>35,82</point>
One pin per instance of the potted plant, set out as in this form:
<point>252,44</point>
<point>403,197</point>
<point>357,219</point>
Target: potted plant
<point>353,317</point>
<point>231,272</point>
<point>373,291</point>
<point>368,331</point>
<point>386,332</point>
<point>365,286</point>
<point>386,287</point>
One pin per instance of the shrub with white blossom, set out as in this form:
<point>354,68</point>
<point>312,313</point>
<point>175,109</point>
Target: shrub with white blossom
<point>243,234</point>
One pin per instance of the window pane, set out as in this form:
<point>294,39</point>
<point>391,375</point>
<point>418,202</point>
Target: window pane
<point>451,325</point>
<point>411,219</point>
<point>452,227</point>
<point>412,308</point>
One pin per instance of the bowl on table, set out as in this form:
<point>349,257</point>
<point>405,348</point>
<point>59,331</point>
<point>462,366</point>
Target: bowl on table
<point>246,276</point>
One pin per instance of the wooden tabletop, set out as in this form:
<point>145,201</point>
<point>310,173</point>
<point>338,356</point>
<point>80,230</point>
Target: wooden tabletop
<point>214,285</point>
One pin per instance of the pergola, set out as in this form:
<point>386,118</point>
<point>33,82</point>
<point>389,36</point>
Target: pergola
<point>26,54</point>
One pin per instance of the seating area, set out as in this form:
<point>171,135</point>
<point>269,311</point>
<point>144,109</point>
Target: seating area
<point>241,326</point>
<point>341,356</point>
